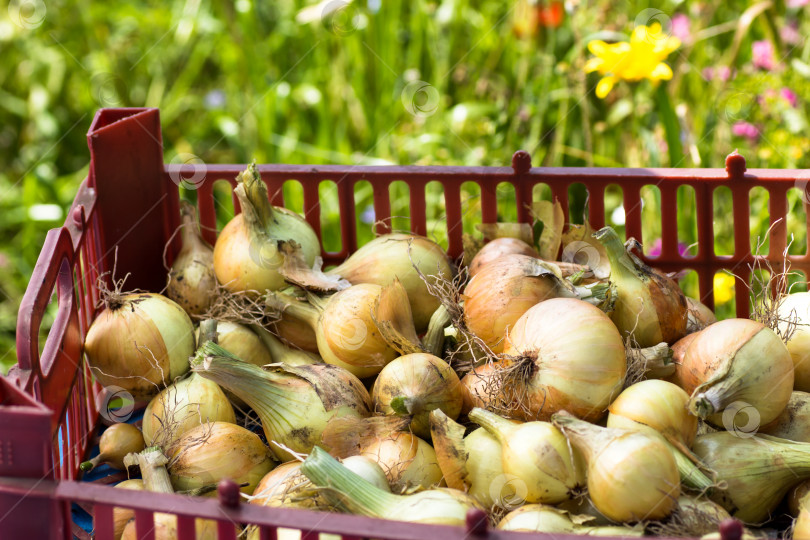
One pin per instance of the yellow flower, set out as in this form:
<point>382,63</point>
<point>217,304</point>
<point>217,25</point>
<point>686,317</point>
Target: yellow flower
<point>640,58</point>
<point>723,287</point>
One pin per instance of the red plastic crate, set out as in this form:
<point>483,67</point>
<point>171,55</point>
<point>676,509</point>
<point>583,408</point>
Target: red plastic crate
<point>49,403</point>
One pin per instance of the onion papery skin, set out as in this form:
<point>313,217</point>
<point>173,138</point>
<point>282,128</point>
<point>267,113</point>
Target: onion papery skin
<point>347,336</point>
<point>502,292</point>
<point>539,518</point>
<point>757,470</point>
<point>793,423</point>
<point>295,333</point>
<point>182,407</point>
<point>797,497</point>
<point>484,468</point>
<point>141,345</point>
<point>631,476</point>
<point>678,353</point>
<point>407,461</point>
<point>387,257</point>
<point>699,316</point>
<point>419,382</point>
<point>247,256</point>
<point>737,362</point>
<point>497,248</point>
<point>192,282</point>
<point>478,385</point>
<point>287,486</point>
<point>578,359</point>
<point>795,309</point>
<point>115,443</point>
<point>294,403</point>
<point>166,528</point>
<point>211,452</point>
<point>122,515</point>
<point>242,342</point>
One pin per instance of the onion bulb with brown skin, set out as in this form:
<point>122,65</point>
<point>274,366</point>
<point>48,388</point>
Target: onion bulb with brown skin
<point>122,515</point>
<point>659,408</point>
<point>734,364</point>
<point>793,314</point>
<point>479,387</point>
<point>115,443</point>
<point>408,461</point>
<point>797,498</point>
<point>248,253</point>
<point>568,355</point>
<point>440,506</point>
<point>497,248</point>
<point>415,384</point>
<point>139,342</point>
<point>793,423</point>
<point>678,353</point>
<point>398,255</point>
<point>345,329</point>
<point>694,516</point>
<point>294,403</point>
<point>217,450</point>
<point>631,476</point>
<point>294,333</point>
<point>541,518</point>
<point>758,470</point>
<point>192,283</point>
<point>699,316</point>
<point>537,454</point>
<point>183,406</point>
<point>505,289</point>
<point>650,307</point>
<point>473,463</point>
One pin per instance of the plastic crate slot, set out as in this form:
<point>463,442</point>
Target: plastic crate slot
<point>651,218</point>
<point>268,533</point>
<point>399,194</point>
<point>507,202</point>
<point>471,216</point>
<point>575,209</point>
<point>797,281</point>
<point>722,208</point>
<point>688,281</point>
<point>541,192</point>
<point>330,216</point>
<point>724,294</point>
<point>225,205</point>
<point>293,196</point>
<point>686,221</point>
<point>364,214</point>
<point>614,208</point>
<point>758,222</point>
<point>796,223</point>
<point>435,213</point>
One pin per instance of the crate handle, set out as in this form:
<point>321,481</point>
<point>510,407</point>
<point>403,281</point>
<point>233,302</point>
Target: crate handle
<point>54,268</point>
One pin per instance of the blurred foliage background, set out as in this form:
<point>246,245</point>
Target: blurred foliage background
<point>372,82</point>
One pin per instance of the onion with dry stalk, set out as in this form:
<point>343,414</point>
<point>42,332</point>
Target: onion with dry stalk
<point>505,289</point>
<point>632,476</point>
<point>793,423</point>
<point>473,463</point>
<point>537,454</point>
<point>183,406</point>
<point>650,307</point>
<point>659,408</point>
<point>139,342</point>
<point>250,250</point>
<point>415,384</point>
<point>403,257</point>
<point>734,364</point>
<point>497,248</point>
<point>294,403</point>
<point>758,470</point>
<point>115,443</point>
<point>121,516</point>
<point>347,324</point>
<point>563,354</point>
<point>192,282</point>
<point>793,316</point>
<point>541,518</point>
<point>439,506</point>
<point>407,461</point>
<point>217,450</point>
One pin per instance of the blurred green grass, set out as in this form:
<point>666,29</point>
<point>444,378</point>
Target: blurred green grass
<point>252,80</point>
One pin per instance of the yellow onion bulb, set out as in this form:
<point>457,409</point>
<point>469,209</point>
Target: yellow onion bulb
<point>497,248</point>
<point>192,283</point>
<point>242,342</point>
<point>295,333</point>
<point>415,384</point>
<point>211,452</point>
<point>699,315</point>
<point>286,486</point>
<point>479,387</point>
<point>540,518</point>
<point>655,406</point>
<point>407,460</point>
<point>183,406</point>
<point>793,423</point>
<point>801,527</point>
<point>115,443</point>
<point>166,528</point>
<point>575,357</point>
<point>794,311</point>
<point>678,352</point>
<point>140,343</point>
<point>396,255</point>
<point>797,497</point>
<point>502,292</point>
<point>735,364</point>
<point>122,515</point>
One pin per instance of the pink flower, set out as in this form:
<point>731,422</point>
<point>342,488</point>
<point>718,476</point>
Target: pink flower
<point>680,27</point>
<point>723,73</point>
<point>795,4</point>
<point>790,96</point>
<point>657,247</point>
<point>790,33</point>
<point>763,56</point>
<point>745,129</point>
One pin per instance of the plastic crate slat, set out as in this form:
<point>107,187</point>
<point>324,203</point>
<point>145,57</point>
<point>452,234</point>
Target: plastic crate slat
<point>268,533</point>
<point>186,528</point>
<point>103,522</point>
<point>144,524</point>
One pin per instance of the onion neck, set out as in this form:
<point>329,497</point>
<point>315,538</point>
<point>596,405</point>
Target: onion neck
<point>405,405</point>
<point>190,232</point>
<point>588,438</point>
<point>208,332</point>
<point>355,493</point>
<point>706,401</point>
<point>434,338</point>
<point>279,352</point>
<point>251,191</point>
<point>691,475</point>
<point>622,266</point>
<point>497,426</point>
<point>303,311</point>
<point>152,464</point>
